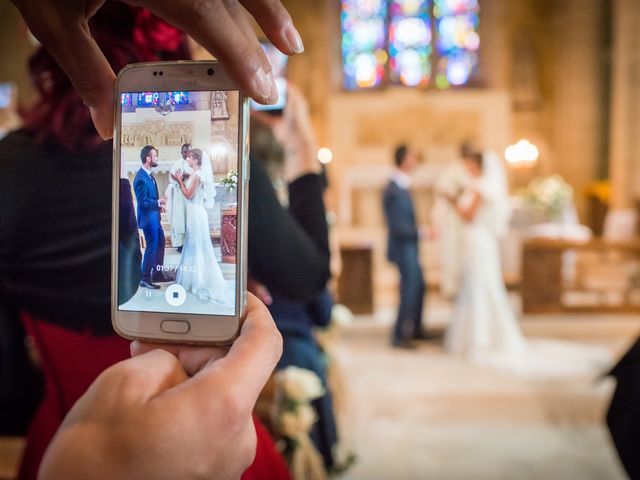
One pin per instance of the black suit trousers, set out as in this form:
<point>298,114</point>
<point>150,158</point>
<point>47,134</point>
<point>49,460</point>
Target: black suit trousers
<point>154,253</point>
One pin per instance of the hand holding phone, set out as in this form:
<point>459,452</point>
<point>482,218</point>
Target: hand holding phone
<point>191,284</point>
<point>120,428</point>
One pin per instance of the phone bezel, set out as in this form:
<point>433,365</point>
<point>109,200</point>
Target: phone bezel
<point>188,76</point>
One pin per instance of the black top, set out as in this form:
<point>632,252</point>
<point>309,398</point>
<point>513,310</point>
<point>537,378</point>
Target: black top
<point>55,233</point>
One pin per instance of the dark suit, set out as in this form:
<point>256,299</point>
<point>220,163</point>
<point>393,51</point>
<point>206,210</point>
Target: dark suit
<point>147,197</point>
<point>402,249</point>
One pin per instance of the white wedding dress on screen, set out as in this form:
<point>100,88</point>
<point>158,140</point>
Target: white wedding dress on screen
<point>199,271</point>
<point>484,327</point>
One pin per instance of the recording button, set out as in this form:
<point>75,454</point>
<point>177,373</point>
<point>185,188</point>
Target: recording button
<point>175,326</point>
<point>175,295</point>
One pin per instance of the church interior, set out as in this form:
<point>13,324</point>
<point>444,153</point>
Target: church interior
<point>552,88</point>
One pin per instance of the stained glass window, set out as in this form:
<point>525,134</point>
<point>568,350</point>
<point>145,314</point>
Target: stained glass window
<point>180,98</point>
<point>363,43</point>
<point>458,40</point>
<point>409,42</point>
<point>404,41</point>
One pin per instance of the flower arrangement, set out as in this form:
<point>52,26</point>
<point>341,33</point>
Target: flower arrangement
<point>293,419</point>
<point>231,180</point>
<point>550,194</point>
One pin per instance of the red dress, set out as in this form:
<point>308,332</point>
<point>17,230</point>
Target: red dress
<point>71,361</point>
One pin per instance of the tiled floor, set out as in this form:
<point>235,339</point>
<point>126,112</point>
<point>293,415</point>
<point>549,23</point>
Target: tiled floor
<point>423,414</point>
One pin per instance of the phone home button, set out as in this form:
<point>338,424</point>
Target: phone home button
<point>174,326</point>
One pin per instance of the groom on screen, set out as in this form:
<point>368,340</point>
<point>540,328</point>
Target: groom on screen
<point>149,208</point>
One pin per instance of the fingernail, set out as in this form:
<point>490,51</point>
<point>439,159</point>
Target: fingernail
<point>100,122</point>
<point>293,38</point>
<point>266,87</point>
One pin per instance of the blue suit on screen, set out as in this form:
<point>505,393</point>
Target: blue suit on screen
<point>146,190</point>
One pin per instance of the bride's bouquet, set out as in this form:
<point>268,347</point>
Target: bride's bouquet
<point>549,194</point>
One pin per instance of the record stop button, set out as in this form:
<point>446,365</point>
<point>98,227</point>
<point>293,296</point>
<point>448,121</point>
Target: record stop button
<point>175,295</point>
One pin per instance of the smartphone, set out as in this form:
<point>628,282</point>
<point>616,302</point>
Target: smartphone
<point>181,171</point>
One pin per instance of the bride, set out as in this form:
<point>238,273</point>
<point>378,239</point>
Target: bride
<point>198,271</point>
<point>484,327</point>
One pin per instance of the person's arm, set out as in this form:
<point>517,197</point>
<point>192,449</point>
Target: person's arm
<point>190,191</point>
<point>288,249</point>
<point>221,27</point>
<point>143,198</point>
<point>170,412</point>
<point>399,224</point>
<point>468,212</point>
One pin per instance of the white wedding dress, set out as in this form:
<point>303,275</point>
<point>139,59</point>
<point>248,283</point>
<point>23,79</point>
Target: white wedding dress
<point>199,271</point>
<point>484,327</point>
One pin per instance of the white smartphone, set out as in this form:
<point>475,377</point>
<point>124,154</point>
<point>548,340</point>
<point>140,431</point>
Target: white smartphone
<point>181,172</point>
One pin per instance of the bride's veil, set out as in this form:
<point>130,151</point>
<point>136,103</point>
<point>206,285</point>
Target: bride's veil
<point>497,192</point>
<point>206,173</point>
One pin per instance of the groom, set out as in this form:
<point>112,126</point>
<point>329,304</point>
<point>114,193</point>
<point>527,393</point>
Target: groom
<point>149,209</point>
<point>402,249</point>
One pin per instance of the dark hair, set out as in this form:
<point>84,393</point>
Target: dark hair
<point>125,35</point>
<point>185,145</point>
<point>145,152</point>
<point>400,154</point>
<point>466,149</point>
<point>197,154</point>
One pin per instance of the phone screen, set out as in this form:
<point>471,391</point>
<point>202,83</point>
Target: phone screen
<point>6,90</point>
<point>178,202</point>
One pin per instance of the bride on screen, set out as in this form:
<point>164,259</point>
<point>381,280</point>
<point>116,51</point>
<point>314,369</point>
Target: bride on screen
<point>198,271</point>
<point>484,327</point>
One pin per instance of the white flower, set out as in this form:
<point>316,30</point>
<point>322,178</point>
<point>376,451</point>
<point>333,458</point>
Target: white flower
<point>341,315</point>
<point>300,384</point>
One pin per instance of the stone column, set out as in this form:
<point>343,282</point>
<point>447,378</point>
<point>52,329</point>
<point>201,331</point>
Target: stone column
<point>624,119</point>
<point>578,131</point>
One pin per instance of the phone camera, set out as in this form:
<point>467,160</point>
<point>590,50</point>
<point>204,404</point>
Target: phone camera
<point>155,73</point>
<point>160,72</point>
<point>210,71</point>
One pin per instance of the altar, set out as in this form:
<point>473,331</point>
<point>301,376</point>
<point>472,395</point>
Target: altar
<point>606,277</point>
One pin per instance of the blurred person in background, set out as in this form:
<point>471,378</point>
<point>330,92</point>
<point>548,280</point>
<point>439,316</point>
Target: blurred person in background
<point>402,249</point>
<point>284,145</point>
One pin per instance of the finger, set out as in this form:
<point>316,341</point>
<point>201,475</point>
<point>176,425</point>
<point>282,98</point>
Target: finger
<point>70,43</point>
<point>192,358</point>
<point>246,368</point>
<point>132,381</point>
<point>276,23</point>
<point>210,24</point>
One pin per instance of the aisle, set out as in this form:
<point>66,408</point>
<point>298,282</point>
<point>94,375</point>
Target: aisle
<point>422,414</point>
